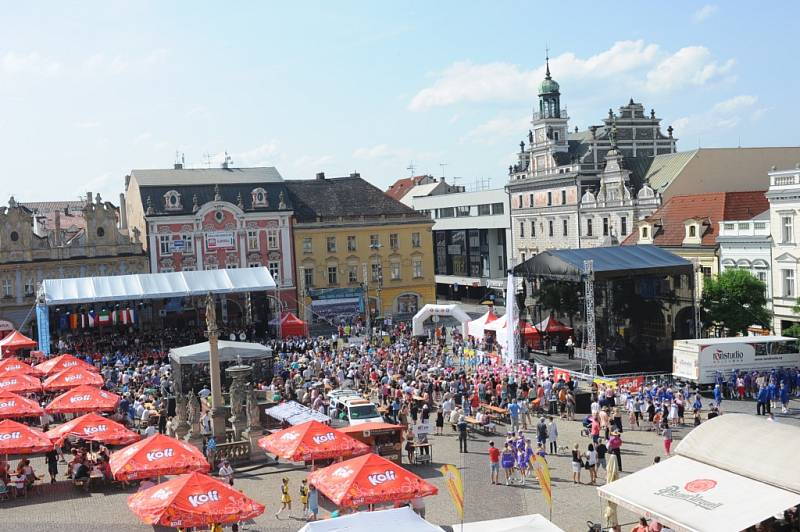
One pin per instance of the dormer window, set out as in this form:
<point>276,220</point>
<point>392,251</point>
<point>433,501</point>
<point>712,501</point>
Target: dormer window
<point>692,231</point>
<point>259,197</point>
<point>644,232</point>
<point>172,201</point>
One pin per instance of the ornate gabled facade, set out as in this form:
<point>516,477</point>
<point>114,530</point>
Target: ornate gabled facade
<point>50,240</point>
<point>573,189</point>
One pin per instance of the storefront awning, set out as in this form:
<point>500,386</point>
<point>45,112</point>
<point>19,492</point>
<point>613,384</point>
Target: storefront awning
<point>154,285</point>
<point>719,479</point>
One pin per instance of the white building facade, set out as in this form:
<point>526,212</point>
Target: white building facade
<point>471,233</point>
<point>784,220</point>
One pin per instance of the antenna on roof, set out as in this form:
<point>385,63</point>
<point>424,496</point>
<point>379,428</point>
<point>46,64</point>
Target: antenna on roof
<point>442,165</point>
<point>228,162</point>
<point>207,157</point>
<point>411,168</point>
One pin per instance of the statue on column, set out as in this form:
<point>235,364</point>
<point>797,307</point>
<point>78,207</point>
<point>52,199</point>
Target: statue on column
<point>211,313</point>
<point>238,399</point>
<point>253,411</point>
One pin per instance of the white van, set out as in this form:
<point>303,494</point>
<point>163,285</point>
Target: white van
<point>357,410</point>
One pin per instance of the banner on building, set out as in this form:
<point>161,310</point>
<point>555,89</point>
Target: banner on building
<point>220,240</point>
<point>43,328</point>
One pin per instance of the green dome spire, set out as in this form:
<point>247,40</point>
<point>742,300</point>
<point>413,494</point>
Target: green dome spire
<point>548,85</point>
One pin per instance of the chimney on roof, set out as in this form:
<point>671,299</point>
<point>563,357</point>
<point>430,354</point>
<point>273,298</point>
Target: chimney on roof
<point>89,198</point>
<point>123,213</point>
<point>320,176</point>
<point>355,174</point>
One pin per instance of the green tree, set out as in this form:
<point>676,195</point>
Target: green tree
<point>561,298</point>
<point>794,330</point>
<point>734,300</point>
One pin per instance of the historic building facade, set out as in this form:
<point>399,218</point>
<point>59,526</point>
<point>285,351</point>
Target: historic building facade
<point>353,243</point>
<point>213,218</point>
<point>582,188</point>
<point>784,220</point>
<point>52,240</point>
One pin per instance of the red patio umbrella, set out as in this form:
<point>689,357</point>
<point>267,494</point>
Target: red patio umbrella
<point>16,340</point>
<point>84,398</point>
<point>62,362</point>
<point>16,406</point>
<point>70,378</point>
<point>13,364</point>
<point>312,441</point>
<point>193,500</point>
<point>369,479</point>
<point>92,427</point>
<point>157,456</point>
<point>19,383</point>
<point>16,438</point>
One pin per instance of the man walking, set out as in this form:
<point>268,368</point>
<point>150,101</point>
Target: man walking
<point>513,412</point>
<point>462,435</point>
<point>552,435</point>
<point>541,432</point>
<point>494,463</point>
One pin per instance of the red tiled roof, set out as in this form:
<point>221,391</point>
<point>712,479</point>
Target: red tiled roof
<point>709,209</point>
<point>401,187</point>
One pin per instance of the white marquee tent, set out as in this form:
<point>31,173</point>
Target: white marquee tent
<point>476,327</point>
<point>228,352</point>
<point>520,523</point>
<point>154,285</point>
<point>719,479</point>
<point>394,520</point>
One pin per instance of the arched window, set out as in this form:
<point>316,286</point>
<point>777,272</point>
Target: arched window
<point>172,201</point>
<point>259,198</point>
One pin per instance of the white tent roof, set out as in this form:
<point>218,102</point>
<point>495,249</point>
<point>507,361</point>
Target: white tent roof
<point>521,523</point>
<point>476,327</point>
<point>294,413</point>
<point>155,285</point>
<point>394,520</point>
<point>228,352</point>
<point>718,480</point>
<point>498,324</point>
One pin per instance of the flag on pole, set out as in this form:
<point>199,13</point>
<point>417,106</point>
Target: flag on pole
<point>455,486</point>
<point>104,318</point>
<point>542,471</point>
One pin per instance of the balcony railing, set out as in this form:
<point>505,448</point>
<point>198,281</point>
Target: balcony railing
<point>784,180</point>
<point>539,116</point>
<point>744,228</point>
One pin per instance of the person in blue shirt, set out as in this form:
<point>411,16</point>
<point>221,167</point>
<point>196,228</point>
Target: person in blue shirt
<point>513,411</point>
<point>718,394</point>
<point>772,390</point>
<point>785,397</point>
<point>762,401</point>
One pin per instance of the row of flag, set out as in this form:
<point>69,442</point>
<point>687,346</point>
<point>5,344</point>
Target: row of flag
<point>92,318</point>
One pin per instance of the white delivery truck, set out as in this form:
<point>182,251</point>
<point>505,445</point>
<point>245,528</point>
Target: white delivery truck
<point>702,359</point>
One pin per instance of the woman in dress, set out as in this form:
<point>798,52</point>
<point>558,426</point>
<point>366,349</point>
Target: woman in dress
<point>591,463</point>
<point>507,461</point>
<point>577,464</point>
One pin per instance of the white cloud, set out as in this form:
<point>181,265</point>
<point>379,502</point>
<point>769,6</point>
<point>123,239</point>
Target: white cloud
<point>495,129</point>
<point>141,137</point>
<point>732,105</point>
<point>704,13</point>
<point>87,125</point>
<point>263,155</point>
<point>380,151</point>
<point>308,164</point>
<point>101,63</point>
<point>689,66</point>
<point>465,81</point>
<point>723,115</point>
<point>29,63</point>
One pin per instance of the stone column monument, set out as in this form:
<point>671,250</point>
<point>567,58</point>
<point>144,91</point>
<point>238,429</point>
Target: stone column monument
<point>217,411</point>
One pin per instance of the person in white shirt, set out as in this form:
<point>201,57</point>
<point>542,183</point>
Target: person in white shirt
<point>226,472</point>
<point>150,431</point>
<point>205,392</point>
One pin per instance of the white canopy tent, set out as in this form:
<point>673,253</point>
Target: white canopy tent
<point>475,328</point>
<point>294,413</point>
<point>394,520</point>
<point>718,480</point>
<point>228,352</point>
<point>521,523</point>
<point>154,285</point>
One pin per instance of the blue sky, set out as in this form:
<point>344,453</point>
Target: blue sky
<point>90,90</point>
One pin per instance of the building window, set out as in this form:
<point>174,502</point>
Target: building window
<point>588,227</point>
<point>788,283</point>
<point>692,231</point>
<point>8,288</point>
<point>352,274</point>
<point>252,240</point>
<point>605,226</point>
<point>374,241</point>
<point>394,243</point>
<point>530,199</point>
<point>165,244</point>
<point>462,210</point>
<point>331,244</point>
<point>333,275</point>
<point>274,270</point>
<point>14,236</point>
<point>787,225</point>
<point>522,257</point>
<point>308,277</point>
<point>500,264</point>
<point>623,221</point>
<point>377,273</point>
<point>446,212</point>
<point>522,229</point>
<point>187,268</point>
<point>550,228</point>
<point>172,201</point>
<point>231,266</point>
<point>307,244</point>
<point>395,271</point>
<point>251,264</point>
<point>188,242</point>
<point>644,232</point>
<point>351,243</point>
<point>533,228</point>
<point>29,287</point>
<point>415,240</point>
<point>706,271</point>
<point>497,208</point>
<point>416,267</point>
<point>563,197</point>
<point>484,210</point>
<point>272,240</point>
<point>549,198</point>
<point>565,225</point>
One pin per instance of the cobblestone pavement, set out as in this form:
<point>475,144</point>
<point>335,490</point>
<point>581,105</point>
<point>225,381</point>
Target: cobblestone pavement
<point>61,507</point>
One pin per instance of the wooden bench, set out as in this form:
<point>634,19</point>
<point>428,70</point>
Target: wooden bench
<point>477,426</point>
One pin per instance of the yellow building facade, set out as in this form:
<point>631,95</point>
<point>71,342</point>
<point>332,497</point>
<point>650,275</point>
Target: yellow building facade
<point>363,242</point>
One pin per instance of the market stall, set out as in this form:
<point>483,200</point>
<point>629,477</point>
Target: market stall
<point>384,439</point>
<point>290,325</point>
<point>14,342</point>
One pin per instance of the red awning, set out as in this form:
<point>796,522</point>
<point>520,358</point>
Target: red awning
<point>157,456</point>
<point>193,500</point>
<point>369,479</point>
<point>291,325</point>
<point>550,325</point>
<point>16,340</point>
<point>84,398</point>
<point>16,406</point>
<point>71,378</point>
<point>19,383</point>
<point>62,362</point>
<point>311,441</point>
<point>16,438</point>
<point>93,427</point>
<point>15,365</point>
